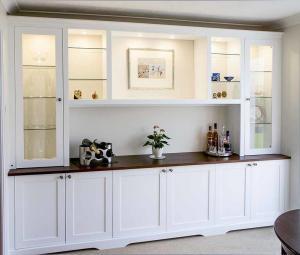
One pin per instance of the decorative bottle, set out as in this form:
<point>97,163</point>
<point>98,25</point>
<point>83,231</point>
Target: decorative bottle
<point>210,139</point>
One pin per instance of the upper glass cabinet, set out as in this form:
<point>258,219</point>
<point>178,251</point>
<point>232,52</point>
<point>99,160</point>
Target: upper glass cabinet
<point>87,64</point>
<point>262,80</point>
<point>39,98</point>
<point>225,55</point>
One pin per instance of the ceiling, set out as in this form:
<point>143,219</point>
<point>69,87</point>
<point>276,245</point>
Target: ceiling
<point>243,12</point>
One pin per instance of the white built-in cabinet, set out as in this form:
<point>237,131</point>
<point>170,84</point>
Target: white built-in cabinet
<point>53,64</point>
<point>124,206</point>
<point>56,209</point>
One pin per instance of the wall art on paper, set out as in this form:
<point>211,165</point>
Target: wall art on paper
<point>150,69</point>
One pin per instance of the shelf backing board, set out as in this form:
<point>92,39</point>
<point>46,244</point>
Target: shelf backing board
<point>189,66</point>
<point>225,56</point>
<point>87,63</point>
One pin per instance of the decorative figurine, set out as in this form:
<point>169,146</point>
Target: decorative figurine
<point>77,94</point>
<point>219,94</point>
<point>215,96</point>
<point>95,95</point>
<point>224,93</point>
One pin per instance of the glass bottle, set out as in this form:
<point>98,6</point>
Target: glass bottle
<point>209,139</point>
<point>215,138</point>
<point>221,149</point>
<point>227,143</point>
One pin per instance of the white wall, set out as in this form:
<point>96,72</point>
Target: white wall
<point>291,108</point>
<point>127,127</point>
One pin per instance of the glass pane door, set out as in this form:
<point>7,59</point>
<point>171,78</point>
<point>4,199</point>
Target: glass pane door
<point>261,73</point>
<point>39,96</point>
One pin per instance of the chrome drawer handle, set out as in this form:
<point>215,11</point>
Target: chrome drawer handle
<point>164,170</point>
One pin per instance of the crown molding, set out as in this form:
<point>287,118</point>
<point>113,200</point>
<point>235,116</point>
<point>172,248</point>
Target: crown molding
<point>287,22</point>
<point>10,5</point>
<point>141,18</point>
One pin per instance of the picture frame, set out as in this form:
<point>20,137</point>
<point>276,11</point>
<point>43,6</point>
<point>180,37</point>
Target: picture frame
<point>150,68</point>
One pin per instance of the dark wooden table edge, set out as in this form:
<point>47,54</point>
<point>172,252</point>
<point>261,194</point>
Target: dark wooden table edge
<point>283,242</point>
<point>77,169</point>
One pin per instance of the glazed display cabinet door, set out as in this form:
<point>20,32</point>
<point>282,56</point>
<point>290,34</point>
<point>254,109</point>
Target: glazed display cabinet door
<point>39,104</point>
<point>139,202</point>
<point>189,197</point>
<point>88,206</point>
<point>265,190</point>
<point>263,97</point>
<point>39,210</point>
<point>232,193</point>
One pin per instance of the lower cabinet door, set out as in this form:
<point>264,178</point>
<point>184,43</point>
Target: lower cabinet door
<point>88,206</point>
<point>190,193</point>
<point>232,193</point>
<point>139,202</point>
<point>265,190</point>
<point>39,210</point>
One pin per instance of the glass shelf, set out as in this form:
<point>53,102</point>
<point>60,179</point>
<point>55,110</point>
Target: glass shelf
<point>260,97</point>
<point>86,79</point>
<point>261,71</point>
<point>225,81</point>
<point>86,48</point>
<point>39,128</point>
<point>261,123</point>
<point>37,97</point>
<point>225,54</point>
<point>38,66</point>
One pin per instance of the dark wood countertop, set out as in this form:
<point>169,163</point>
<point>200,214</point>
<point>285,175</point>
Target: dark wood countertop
<point>143,161</point>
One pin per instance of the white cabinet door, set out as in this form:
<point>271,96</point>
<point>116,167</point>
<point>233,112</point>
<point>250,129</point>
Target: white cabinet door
<point>39,91</point>
<point>263,93</point>
<point>139,202</point>
<point>265,190</point>
<point>232,193</point>
<point>190,192</point>
<point>39,210</point>
<point>88,206</point>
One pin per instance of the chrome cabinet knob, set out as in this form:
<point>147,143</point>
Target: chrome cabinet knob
<point>248,99</point>
<point>61,177</point>
<point>69,176</point>
<point>254,164</point>
<point>249,165</point>
<point>59,99</point>
<point>164,170</point>
<point>171,170</point>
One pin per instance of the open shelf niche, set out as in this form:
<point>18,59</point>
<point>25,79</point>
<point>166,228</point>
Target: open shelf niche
<point>87,64</point>
<point>225,55</point>
<point>138,57</point>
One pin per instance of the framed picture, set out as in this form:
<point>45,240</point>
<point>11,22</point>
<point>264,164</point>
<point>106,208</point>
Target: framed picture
<point>150,69</point>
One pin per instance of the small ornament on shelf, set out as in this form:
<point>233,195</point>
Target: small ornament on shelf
<point>95,95</point>
<point>77,94</point>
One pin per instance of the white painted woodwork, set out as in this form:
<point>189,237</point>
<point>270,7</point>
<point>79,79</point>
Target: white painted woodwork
<point>275,136</point>
<point>232,193</point>
<point>56,59</point>
<point>139,202</point>
<point>39,210</point>
<point>190,196</point>
<point>88,206</point>
<point>265,190</point>
<point>112,209</point>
